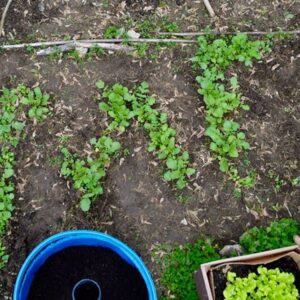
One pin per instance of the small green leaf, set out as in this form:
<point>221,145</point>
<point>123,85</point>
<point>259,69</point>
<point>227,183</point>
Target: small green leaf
<point>168,176</point>
<point>85,204</point>
<point>172,163</point>
<point>224,165</point>
<point>234,82</point>
<point>8,173</point>
<point>104,106</point>
<point>100,84</point>
<point>190,171</point>
<point>181,183</point>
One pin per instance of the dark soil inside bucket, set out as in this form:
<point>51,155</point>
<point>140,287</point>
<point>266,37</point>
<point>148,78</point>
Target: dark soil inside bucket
<point>285,264</point>
<point>117,279</point>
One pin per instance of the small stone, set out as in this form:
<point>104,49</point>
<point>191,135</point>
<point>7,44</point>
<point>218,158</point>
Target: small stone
<point>229,249</point>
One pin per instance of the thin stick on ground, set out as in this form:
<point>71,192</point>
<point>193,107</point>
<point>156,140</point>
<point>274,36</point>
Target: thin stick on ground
<point>95,41</point>
<point>4,16</point>
<point>209,8</point>
<point>183,34</point>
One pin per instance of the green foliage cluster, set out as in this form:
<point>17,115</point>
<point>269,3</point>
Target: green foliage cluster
<point>112,32</point>
<point>7,162</point>
<point>37,101</point>
<point>152,24</point>
<point>220,93</point>
<point>265,284</point>
<point>13,102</point>
<point>180,265</point>
<point>124,105</point>
<point>88,173</point>
<point>146,28</point>
<point>278,234</point>
<point>7,186</point>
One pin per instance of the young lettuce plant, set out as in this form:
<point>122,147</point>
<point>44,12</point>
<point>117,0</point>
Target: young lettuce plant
<point>266,284</point>
<point>12,105</point>
<point>37,101</point>
<point>87,174</point>
<point>212,59</point>
<point>123,106</point>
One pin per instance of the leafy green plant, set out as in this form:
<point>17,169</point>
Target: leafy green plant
<point>278,234</point>
<point>295,181</point>
<point>141,49</point>
<point>7,162</point>
<point>95,51</point>
<point>265,284</point>
<point>87,174</point>
<point>37,101</point>
<point>124,105</point>
<point>10,128</point>
<point>220,94</point>
<point>12,122</point>
<point>112,32</point>
<point>3,256</point>
<point>180,264</point>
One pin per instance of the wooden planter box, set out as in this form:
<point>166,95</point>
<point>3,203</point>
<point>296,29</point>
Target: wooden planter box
<point>204,276</point>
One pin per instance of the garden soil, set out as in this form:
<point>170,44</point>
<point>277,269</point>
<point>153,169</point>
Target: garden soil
<point>138,206</point>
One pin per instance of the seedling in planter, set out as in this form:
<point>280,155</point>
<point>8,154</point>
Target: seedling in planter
<point>124,105</point>
<point>266,284</point>
<point>87,174</point>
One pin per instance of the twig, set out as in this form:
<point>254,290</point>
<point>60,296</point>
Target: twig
<point>4,16</point>
<point>68,47</point>
<point>209,8</point>
<point>227,33</point>
<point>57,43</point>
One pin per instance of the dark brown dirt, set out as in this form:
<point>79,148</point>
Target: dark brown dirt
<point>286,264</point>
<point>117,279</point>
<point>138,206</point>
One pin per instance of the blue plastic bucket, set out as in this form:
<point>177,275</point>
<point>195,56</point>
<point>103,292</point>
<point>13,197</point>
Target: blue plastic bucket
<point>67,239</point>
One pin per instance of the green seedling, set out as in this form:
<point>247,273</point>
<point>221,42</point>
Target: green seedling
<point>180,264</point>
<point>213,59</point>
<point>87,174</point>
<point>37,101</point>
<point>265,284</point>
<point>278,234</point>
<point>123,105</point>
<point>13,102</point>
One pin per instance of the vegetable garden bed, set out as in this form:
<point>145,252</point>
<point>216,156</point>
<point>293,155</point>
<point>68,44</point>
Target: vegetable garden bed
<point>151,194</point>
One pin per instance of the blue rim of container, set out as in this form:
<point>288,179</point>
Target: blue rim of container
<point>78,238</point>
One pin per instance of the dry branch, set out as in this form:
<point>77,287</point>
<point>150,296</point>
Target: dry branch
<point>75,45</point>
<point>95,41</point>
<point>209,8</point>
<point>183,34</point>
<point>4,16</point>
